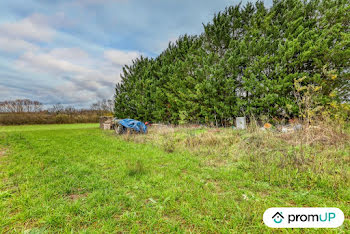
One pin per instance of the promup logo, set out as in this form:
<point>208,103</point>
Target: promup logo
<point>278,217</point>
<point>303,217</point>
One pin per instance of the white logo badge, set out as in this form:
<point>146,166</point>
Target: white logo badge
<point>303,217</point>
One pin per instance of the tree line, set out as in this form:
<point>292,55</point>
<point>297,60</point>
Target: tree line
<point>30,106</point>
<point>25,111</point>
<point>245,63</point>
<point>20,106</point>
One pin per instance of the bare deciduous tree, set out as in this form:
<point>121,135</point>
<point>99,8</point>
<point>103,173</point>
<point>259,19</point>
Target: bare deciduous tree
<point>103,106</point>
<point>20,106</point>
<point>57,108</point>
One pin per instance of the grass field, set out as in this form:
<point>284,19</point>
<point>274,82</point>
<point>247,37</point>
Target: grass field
<point>64,178</point>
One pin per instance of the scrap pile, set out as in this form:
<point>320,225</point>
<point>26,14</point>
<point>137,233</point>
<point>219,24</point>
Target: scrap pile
<point>122,125</point>
<point>106,123</point>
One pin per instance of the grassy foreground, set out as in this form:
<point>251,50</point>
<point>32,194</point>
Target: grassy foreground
<point>63,178</point>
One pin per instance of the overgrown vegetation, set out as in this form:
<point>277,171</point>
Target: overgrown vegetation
<point>245,63</point>
<point>68,178</point>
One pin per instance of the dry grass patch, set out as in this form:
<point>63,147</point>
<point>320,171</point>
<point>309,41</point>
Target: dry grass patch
<point>321,133</point>
<point>309,155</point>
<point>75,197</point>
<point>76,194</point>
<point>216,162</point>
<point>203,139</point>
<point>3,152</point>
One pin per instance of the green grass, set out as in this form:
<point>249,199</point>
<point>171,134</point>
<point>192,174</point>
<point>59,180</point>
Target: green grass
<point>25,128</point>
<point>64,178</point>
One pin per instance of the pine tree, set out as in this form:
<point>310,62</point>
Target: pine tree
<point>244,63</point>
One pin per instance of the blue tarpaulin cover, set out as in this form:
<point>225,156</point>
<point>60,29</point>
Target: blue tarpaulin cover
<point>138,126</point>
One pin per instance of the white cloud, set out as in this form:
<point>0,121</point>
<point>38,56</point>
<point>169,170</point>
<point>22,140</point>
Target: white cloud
<point>21,36</point>
<point>29,29</point>
<point>70,54</point>
<point>66,75</point>
<point>81,77</point>
<point>15,45</point>
<point>121,58</point>
<point>47,63</point>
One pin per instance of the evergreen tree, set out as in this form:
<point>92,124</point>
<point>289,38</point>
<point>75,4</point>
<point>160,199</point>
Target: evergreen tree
<point>245,63</point>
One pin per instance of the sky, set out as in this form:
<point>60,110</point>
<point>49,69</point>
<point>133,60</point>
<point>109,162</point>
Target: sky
<point>72,52</point>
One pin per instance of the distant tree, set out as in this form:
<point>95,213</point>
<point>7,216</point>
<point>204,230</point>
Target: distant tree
<point>20,106</point>
<point>103,106</point>
<point>57,108</point>
<point>70,110</point>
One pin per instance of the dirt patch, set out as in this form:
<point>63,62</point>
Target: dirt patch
<point>216,162</point>
<point>215,186</point>
<point>75,197</point>
<point>292,203</point>
<point>3,152</point>
<point>264,194</point>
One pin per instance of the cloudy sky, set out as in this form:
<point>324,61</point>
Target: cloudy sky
<point>72,52</point>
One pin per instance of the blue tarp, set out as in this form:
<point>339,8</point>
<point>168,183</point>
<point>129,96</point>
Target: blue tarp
<point>138,126</point>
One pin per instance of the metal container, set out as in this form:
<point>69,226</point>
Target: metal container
<point>241,123</point>
<point>106,126</point>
